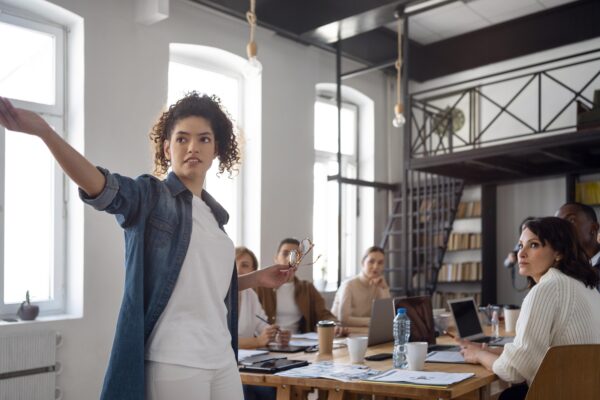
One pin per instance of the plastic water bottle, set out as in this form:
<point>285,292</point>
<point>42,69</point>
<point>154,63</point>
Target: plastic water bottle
<point>401,336</point>
<point>495,325</point>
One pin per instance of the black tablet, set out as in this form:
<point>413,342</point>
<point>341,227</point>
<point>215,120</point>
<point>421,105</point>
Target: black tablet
<point>277,348</point>
<point>273,366</point>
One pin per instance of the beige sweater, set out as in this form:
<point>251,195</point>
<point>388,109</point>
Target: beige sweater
<point>558,310</point>
<point>352,304</point>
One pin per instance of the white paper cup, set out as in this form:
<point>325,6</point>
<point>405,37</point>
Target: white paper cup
<point>510,319</point>
<point>357,347</point>
<point>416,352</point>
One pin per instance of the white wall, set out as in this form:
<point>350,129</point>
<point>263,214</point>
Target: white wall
<point>125,88</point>
<point>515,202</point>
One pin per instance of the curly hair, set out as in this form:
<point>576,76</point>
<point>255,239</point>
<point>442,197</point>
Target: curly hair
<point>560,235</point>
<point>196,105</point>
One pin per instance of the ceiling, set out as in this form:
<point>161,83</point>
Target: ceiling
<point>367,28</point>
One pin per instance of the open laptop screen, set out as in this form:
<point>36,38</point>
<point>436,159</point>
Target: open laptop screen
<point>465,316</point>
<point>420,313</point>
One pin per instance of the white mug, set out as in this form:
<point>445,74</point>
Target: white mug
<point>357,347</point>
<point>416,352</point>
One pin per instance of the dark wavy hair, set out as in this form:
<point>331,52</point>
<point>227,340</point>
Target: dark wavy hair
<point>196,105</point>
<point>370,250</point>
<point>241,250</point>
<point>560,235</point>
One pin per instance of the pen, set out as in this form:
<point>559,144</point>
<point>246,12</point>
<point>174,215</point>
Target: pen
<point>449,334</point>
<point>265,321</point>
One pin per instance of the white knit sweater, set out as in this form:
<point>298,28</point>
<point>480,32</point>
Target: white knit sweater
<point>558,310</point>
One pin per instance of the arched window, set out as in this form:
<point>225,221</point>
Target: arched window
<point>357,162</point>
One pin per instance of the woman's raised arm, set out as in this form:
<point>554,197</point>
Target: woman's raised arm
<point>76,166</point>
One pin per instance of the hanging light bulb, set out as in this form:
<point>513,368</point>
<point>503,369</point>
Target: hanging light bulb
<point>399,120</point>
<point>253,67</point>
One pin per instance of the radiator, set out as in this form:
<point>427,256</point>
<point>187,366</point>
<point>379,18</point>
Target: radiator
<point>28,366</point>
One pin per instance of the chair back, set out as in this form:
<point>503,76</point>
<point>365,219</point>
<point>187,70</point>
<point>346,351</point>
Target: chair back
<point>568,372</point>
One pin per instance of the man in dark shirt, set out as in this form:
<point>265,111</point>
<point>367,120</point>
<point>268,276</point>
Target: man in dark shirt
<point>586,224</point>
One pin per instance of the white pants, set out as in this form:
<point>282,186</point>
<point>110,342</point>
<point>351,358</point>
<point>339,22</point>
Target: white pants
<point>169,381</point>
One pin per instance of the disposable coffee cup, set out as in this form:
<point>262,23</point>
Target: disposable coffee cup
<point>416,352</point>
<point>511,314</point>
<point>357,347</point>
<point>325,330</point>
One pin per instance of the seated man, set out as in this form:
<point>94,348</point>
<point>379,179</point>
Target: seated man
<point>584,218</point>
<point>296,305</point>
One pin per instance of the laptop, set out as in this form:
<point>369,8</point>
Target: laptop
<point>422,327</point>
<point>382,322</point>
<point>468,325</point>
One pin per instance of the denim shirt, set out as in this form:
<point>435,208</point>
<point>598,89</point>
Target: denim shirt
<point>157,218</point>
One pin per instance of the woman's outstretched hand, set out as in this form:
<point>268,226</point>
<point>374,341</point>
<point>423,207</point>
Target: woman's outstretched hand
<point>20,120</point>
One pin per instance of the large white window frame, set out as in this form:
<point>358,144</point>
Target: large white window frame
<point>54,114</point>
<point>326,270</point>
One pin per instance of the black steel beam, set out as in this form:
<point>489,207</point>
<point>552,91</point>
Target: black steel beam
<point>559,26</point>
<point>360,182</point>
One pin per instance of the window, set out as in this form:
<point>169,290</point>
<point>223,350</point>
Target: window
<point>326,210</point>
<point>32,201</point>
<point>189,72</point>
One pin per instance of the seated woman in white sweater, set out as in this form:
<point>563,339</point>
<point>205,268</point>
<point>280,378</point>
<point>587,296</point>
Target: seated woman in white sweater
<point>561,308</point>
<point>352,303</point>
<point>252,331</point>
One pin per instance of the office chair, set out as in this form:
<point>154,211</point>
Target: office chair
<point>568,372</point>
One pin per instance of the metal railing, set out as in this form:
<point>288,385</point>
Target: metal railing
<point>519,104</point>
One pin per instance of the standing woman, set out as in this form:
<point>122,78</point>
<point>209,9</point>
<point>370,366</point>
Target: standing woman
<point>560,309</point>
<point>352,303</point>
<point>176,335</point>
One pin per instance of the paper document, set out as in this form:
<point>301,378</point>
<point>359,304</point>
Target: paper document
<point>307,336</point>
<point>329,370</point>
<point>421,377</point>
<point>445,357</point>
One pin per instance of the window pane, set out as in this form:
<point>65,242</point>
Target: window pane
<point>28,216</point>
<point>326,128</point>
<point>325,224</point>
<point>27,70</point>
<point>183,79</point>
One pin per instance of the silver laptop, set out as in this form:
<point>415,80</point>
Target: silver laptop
<point>468,325</point>
<point>382,322</point>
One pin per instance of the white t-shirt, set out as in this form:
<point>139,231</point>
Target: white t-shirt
<point>192,331</point>
<point>248,325</point>
<point>288,314</point>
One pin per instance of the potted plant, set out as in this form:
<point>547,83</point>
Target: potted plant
<point>28,311</point>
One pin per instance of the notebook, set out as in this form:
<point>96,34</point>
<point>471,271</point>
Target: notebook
<point>422,327</point>
<point>382,318</point>
<point>468,325</point>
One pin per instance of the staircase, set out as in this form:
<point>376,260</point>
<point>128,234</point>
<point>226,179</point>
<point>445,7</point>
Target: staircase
<point>417,231</point>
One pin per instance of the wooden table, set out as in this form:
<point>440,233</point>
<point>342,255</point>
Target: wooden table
<point>475,388</point>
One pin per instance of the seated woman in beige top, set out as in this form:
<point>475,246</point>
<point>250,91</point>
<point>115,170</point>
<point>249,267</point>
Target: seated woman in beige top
<point>352,304</point>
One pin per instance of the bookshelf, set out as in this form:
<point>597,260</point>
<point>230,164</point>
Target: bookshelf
<point>461,272</point>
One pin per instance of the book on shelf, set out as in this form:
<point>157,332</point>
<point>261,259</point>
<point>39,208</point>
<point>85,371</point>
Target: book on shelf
<point>588,192</point>
<point>464,241</point>
<point>468,209</point>
<point>460,272</point>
